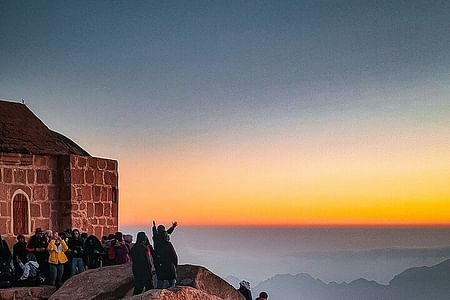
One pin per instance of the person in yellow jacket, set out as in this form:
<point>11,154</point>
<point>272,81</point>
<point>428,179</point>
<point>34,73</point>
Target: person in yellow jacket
<point>57,258</point>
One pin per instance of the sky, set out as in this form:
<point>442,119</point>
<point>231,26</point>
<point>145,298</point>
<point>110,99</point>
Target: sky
<point>274,113</point>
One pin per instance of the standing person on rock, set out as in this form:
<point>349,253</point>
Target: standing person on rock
<point>166,261</point>
<point>244,289</point>
<point>141,267</point>
<point>57,258</point>
<point>159,232</point>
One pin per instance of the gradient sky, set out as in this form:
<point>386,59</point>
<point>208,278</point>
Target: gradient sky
<point>247,112</point>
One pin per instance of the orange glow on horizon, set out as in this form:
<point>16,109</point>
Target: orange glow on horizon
<point>396,185</point>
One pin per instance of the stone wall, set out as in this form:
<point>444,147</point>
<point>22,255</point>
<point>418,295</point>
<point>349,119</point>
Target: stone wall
<point>63,192</point>
<point>37,177</point>
<point>94,194</point>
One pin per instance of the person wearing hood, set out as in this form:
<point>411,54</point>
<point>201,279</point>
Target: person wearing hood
<point>141,265</point>
<point>166,261</point>
<point>94,252</point>
<point>244,289</point>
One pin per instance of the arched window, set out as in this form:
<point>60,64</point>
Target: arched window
<point>20,214</point>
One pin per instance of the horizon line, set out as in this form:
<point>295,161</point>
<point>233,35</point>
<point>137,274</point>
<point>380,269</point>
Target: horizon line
<point>362,226</point>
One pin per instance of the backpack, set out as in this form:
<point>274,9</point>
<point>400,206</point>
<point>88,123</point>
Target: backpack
<point>111,253</point>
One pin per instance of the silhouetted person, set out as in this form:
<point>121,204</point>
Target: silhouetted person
<point>118,251</point>
<point>166,261</point>
<point>263,296</point>
<point>38,246</point>
<point>94,252</point>
<point>141,267</point>
<point>160,231</point>
<point>76,253</point>
<point>244,289</point>
<point>19,254</point>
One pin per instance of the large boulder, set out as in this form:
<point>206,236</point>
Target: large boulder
<point>202,279</point>
<point>111,283</point>
<point>27,293</point>
<point>107,283</point>
<point>178,293</point>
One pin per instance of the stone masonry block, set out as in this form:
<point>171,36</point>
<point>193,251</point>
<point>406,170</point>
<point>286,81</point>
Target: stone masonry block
<point>89,176</point>
<point>45,208</point>
<point>42,176</point>
<point>110,165</point>
<point>104,194</point>
<point>101,164</point>
<point>97,191</point>
<point>39,193</point>
<point>98,177</point>
<point>30,176</point>
<point>35,210</point>
<point>4,209</point>
<point>107,210</point>
<point>92,162</point>
<point>20,176</point>
<point>7,175</point>
<point>77,176</point>
<point>86,193</point>
<point>82,162</point>
<point>98,209</point>
<point>90,210</point>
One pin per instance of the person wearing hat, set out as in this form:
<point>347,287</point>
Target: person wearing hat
<point>37,245</point>
<point>244,289</point>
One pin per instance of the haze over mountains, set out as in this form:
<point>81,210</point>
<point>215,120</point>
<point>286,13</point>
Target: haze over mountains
<point>419,283</point>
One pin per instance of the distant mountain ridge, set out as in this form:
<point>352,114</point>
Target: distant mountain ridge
<point>418,283</point>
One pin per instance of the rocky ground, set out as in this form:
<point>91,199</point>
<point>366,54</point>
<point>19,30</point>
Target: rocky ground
<point>116,282</point>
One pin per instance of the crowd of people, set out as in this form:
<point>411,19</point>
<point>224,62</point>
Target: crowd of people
<point>53,257</point>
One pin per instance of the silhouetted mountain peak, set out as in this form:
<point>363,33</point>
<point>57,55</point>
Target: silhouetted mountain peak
<point>419,283</point>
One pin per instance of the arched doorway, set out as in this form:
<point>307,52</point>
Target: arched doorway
<point>20,213</point>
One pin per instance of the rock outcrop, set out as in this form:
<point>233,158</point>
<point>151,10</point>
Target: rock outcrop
<point>27,293</point>
<point>115,282</point>
<point>107,283</point>
<point>178,293</point>
<point>202,279</point>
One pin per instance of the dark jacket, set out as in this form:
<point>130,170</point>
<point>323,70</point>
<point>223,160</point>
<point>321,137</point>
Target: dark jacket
<point>245,292</point>
<point>34,244</point>
<point>141,262</point>
<point>20,252</point>
<point>76,247</point>
<point>5,253</point>
<point>166,260</point>
<point>159,237</point>
<point>120,253</point>
<point>94,252</point>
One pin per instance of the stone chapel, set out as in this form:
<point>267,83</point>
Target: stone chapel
<point>47,181</point>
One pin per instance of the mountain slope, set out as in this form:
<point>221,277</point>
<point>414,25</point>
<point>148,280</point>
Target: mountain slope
<point>422,283</point>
